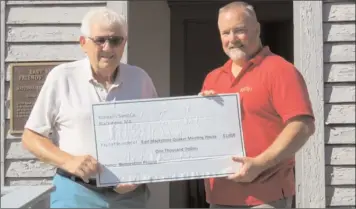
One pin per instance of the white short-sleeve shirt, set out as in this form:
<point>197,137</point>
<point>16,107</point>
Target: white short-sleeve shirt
<point>63,106</point>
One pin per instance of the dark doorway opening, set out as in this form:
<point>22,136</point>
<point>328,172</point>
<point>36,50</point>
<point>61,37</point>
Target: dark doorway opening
<point>196,50</point>
<point>203,51</point>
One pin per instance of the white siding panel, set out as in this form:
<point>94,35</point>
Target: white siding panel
<point>50,33</point>
<point>7,92</point>
<point>340,175</point>
<point>339,93</point>
<point>12,2</point>
<point>340,196</point>
<point>8,111</point>
<point>8,134</point>
<point>15,150</point>
<point>339,11</point>
<point>340,155</point>
<point>339,114</point>
<point>339,31</point>
<point>339,72</point>
<point>339,96</point>
<point>340,135</point>
<point>7,102</point>
<point>44,52</point>
<point>339,52</point>
<point>28,168</point>
<point>36,31</point>
<point>28,181</point>
<point>55,14</point>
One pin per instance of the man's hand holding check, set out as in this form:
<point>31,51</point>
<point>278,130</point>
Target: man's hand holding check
<point>251,167</point>
<point>87,166</point>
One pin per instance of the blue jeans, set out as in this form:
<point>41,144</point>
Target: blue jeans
<point>70,194</point>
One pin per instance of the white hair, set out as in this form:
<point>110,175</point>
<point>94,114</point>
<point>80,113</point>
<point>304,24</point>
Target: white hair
<point>103,16</point>
<point>248,9</point>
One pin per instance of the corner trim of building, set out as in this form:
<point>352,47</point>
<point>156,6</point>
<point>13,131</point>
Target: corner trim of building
<point>308,58</point>
<point>2,88</point>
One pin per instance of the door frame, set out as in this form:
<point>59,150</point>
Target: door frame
<point>308,58</point>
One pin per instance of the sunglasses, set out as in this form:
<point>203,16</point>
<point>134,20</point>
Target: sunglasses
<point>113,40</point>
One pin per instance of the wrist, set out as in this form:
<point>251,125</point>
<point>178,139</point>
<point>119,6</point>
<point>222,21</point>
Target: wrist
<point>263,161</point>
<point>63,159</point>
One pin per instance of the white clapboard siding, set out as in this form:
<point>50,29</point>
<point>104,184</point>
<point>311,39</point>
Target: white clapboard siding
<point>7,100</point>
<point>340,135</point>
<point>28,168</point>
<point>339,11</point>
<point>339,98</point>
<point>10,181</point>
<point>339,32</point>
<point>8,111</point>
<point>340,175</point>
<point>340,196</point>
<point>339,93</point>
<point>339,72</point>
<point>32,35</point>
<point>7,87</point>
<point>15,150</point>
<point>44,33</point>
<point>8,135</point>
<point>339,113</point>
<point>43,52</point>
<point>16,2</point>
<point>55,14</point>
<point>339,52</point>
<point>340,155</point>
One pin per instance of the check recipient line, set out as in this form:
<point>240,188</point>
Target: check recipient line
<point>152,162</point>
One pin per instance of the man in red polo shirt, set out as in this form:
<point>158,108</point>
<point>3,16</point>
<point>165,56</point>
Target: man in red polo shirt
<point>277,117</point>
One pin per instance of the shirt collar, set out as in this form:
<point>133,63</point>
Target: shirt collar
<point>254,61</point>
<point>89,73</point>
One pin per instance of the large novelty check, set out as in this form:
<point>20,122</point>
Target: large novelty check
<point>167,139</point>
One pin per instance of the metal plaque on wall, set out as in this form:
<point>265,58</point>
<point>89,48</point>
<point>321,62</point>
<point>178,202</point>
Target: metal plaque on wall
<point>25,84</point>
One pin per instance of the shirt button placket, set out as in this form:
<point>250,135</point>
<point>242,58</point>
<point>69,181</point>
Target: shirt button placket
<point>103,94</point>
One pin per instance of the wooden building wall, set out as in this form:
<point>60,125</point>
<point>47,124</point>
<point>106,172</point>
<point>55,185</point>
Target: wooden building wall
<point>339,100</point>
<point>38,31</point>
<point>34,31</point>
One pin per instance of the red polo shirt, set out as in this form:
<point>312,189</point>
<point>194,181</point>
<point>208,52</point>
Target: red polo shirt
<point>272,91</point>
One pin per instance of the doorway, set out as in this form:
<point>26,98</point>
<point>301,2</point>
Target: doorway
<point>196,50</point>
<point>203,51</point>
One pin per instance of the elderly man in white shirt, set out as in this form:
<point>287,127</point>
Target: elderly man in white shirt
<point>59,128</point>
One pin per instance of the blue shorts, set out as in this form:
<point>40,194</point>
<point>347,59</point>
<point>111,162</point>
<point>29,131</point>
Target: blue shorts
<point>70,194</point>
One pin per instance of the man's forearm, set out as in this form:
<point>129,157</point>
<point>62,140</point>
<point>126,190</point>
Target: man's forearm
<point>289,141</point>
<point>44,149</point>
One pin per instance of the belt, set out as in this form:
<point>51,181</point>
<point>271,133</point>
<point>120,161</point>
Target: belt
<point>91,183</point>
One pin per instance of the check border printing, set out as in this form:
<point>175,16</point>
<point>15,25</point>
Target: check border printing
<point>167,139</point>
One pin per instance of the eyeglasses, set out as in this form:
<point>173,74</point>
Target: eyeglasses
<point>113,40</point>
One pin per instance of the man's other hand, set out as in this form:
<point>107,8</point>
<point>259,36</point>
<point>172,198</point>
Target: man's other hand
<point>249,170</point>
<point>82,166</point>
